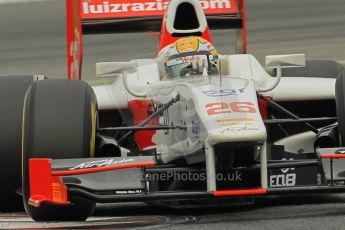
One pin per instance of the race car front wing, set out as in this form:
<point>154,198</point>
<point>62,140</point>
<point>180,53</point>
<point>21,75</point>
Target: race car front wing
<point>110,180</point>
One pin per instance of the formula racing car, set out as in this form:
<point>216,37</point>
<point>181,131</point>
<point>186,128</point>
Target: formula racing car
<point>188,125</point>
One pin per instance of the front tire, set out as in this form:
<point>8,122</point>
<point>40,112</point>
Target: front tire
<point>59,123</point>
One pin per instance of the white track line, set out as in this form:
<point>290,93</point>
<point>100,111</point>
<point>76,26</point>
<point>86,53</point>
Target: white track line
<point>20,1</point>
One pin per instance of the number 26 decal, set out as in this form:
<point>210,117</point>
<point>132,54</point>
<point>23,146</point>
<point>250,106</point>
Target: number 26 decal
<point>233,107</point>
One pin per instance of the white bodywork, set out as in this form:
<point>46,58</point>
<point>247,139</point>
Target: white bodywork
<point>241,77</point>
<point>299,143</point>
<point>219,113</point>
<point>241,66</point>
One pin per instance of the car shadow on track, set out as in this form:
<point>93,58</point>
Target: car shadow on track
<point>139,209</point>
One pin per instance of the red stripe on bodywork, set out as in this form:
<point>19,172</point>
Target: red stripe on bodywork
<point>101,169</point>
<point>139,109</point>
<point>242,192</point>
<point>333,156</point>
<point>263,105</point>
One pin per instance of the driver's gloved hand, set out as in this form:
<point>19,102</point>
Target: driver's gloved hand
<point>199,66</point>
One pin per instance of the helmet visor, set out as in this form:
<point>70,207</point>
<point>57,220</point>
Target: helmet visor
<point>179,70</point>
<point>182,66</point>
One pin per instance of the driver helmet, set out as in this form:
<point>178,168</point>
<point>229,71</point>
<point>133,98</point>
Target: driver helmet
<point>190,56</point>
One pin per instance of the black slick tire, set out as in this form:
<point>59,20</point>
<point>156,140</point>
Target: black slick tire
<point>59,123</point>
<point>12,93</point>
<point>315,69</point>
<point>340,105</point>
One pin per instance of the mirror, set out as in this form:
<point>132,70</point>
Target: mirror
<point>285,61</point>
<point>282,61</point>
<point>104,69</point>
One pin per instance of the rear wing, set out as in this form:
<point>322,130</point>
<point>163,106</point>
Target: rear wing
<point>125,16</point>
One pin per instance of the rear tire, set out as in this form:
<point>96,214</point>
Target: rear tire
<point>315,68</point>
<point>340,105</point>
<point>12,93</point>
<point>59,123</point>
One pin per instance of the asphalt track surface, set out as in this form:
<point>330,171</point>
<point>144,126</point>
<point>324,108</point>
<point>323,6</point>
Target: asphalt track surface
<point>32,40</point>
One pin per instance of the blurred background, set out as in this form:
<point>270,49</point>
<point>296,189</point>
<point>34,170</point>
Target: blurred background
<point>32,35</point>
